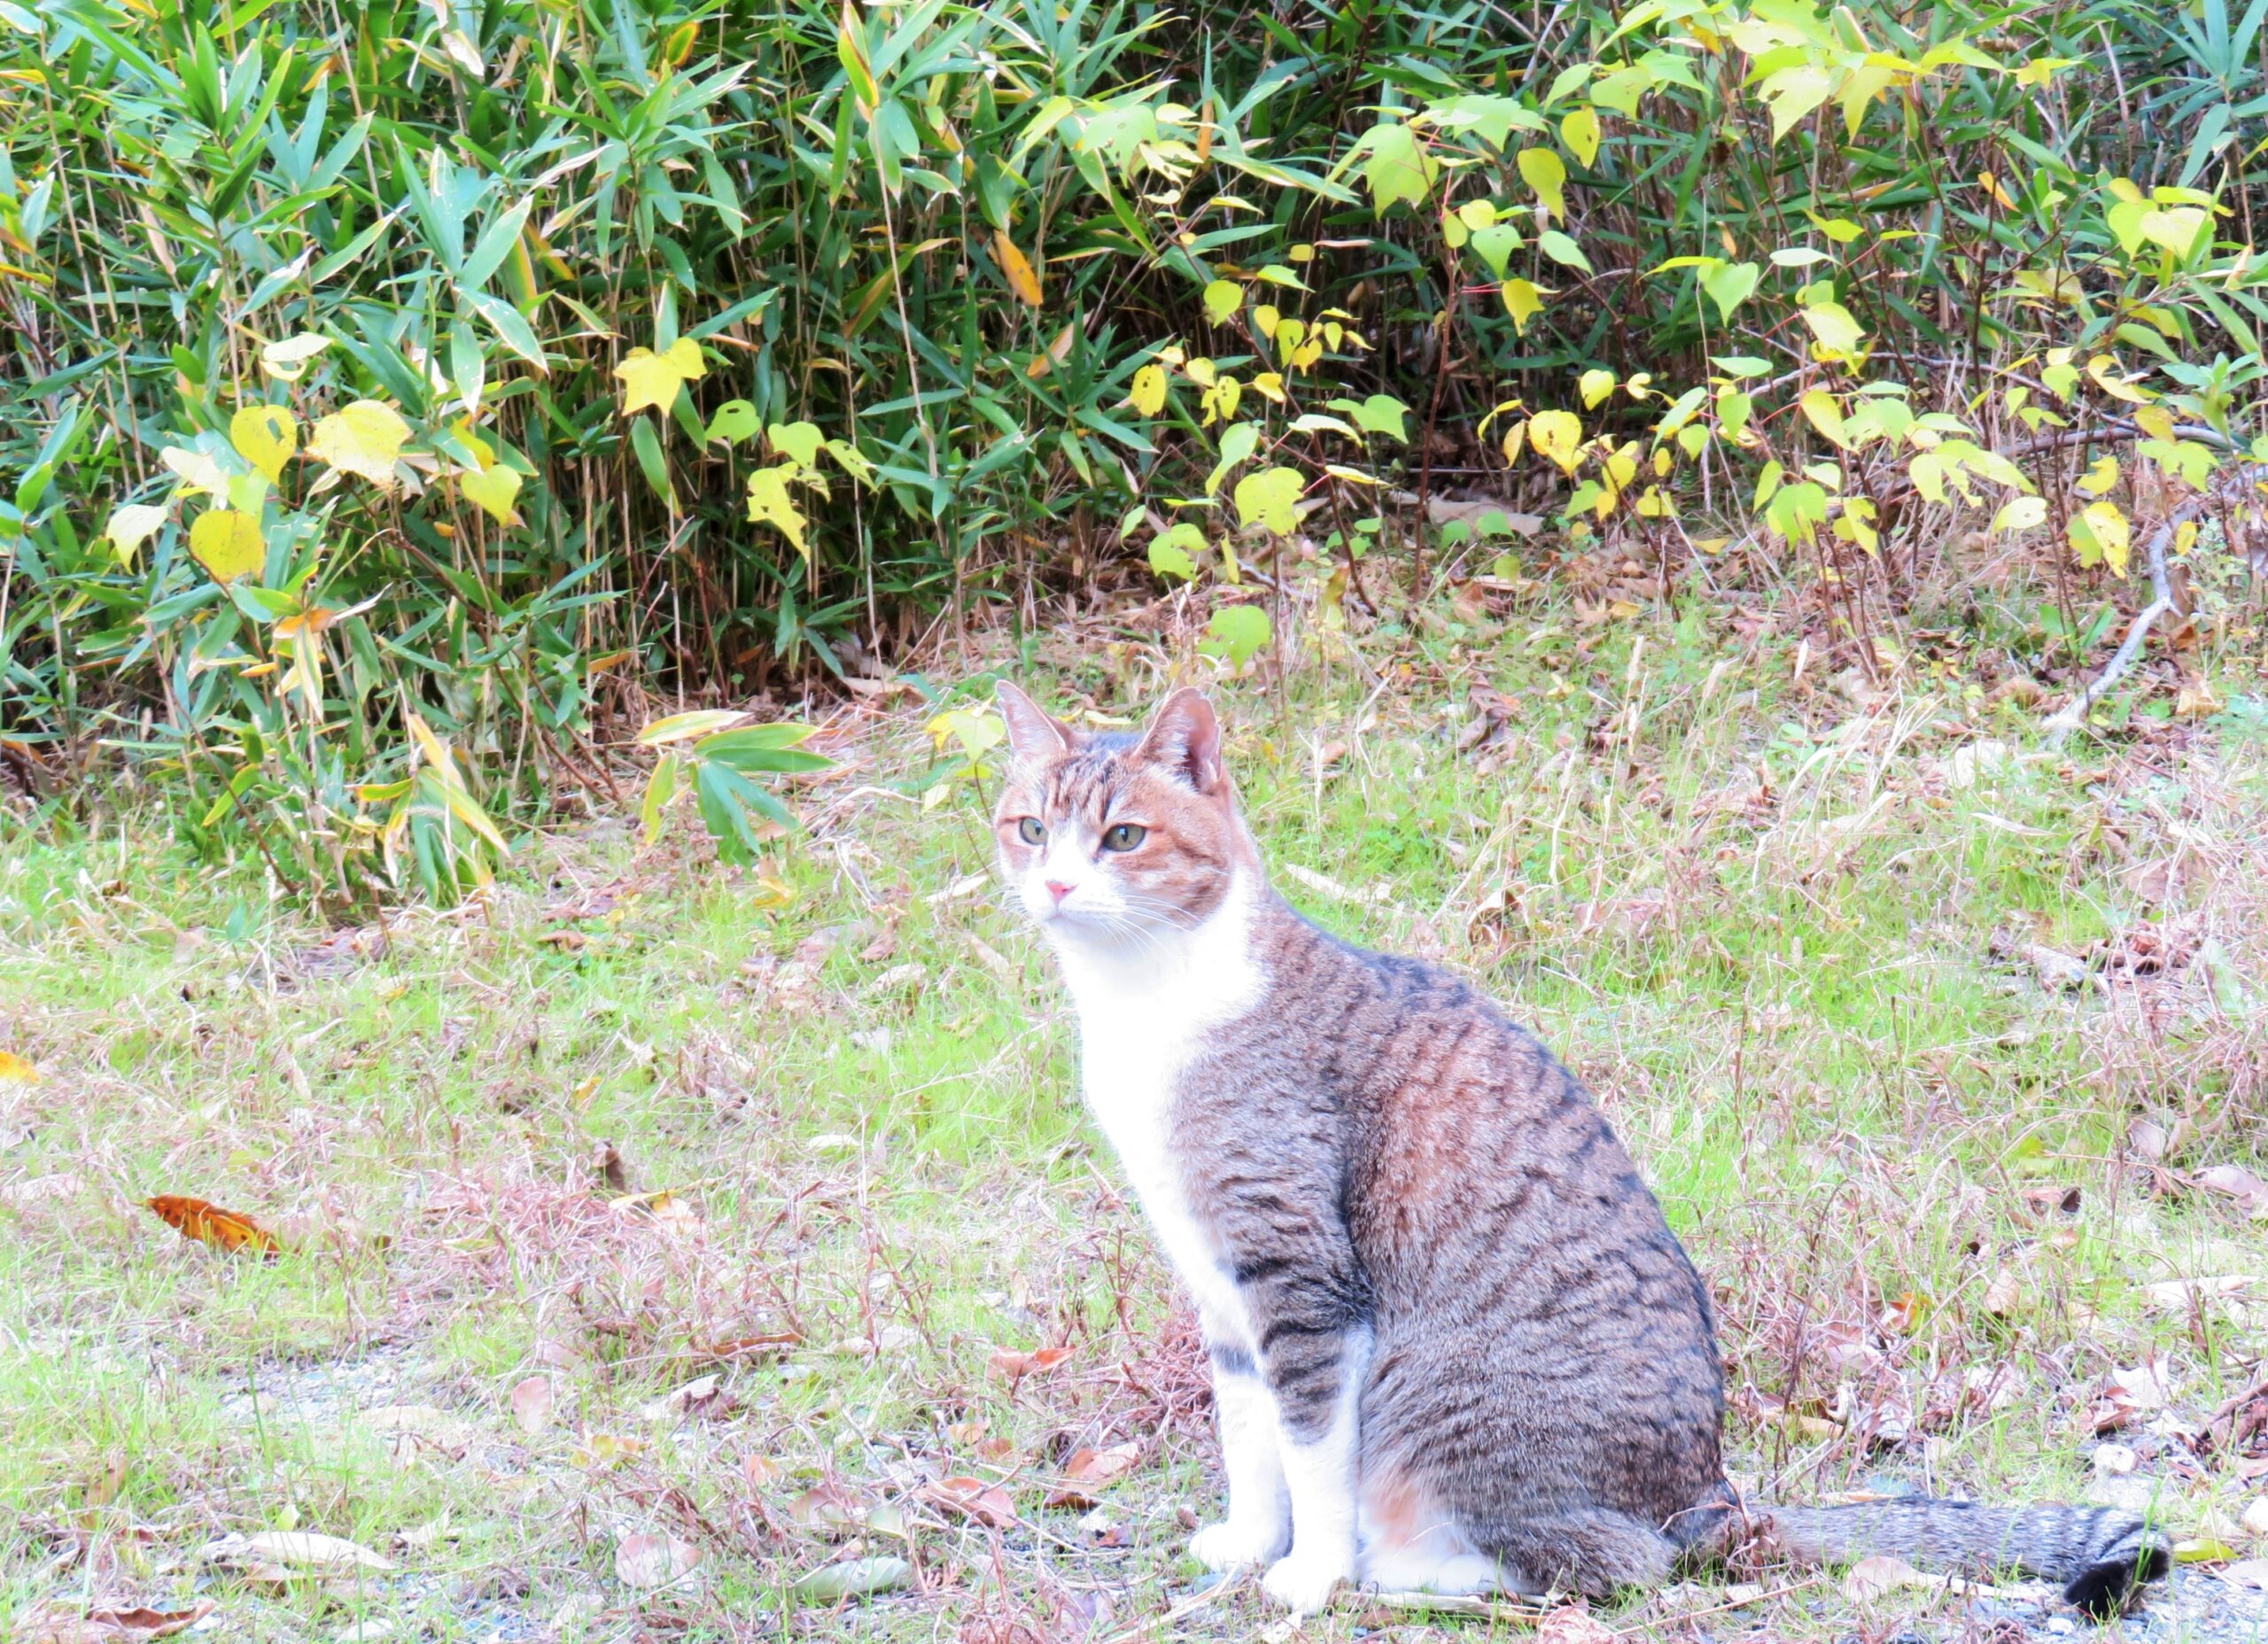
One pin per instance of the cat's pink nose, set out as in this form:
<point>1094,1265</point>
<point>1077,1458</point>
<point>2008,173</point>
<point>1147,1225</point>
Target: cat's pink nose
<point>1058,889</point>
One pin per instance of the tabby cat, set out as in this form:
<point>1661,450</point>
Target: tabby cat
<point>1455,1347</point>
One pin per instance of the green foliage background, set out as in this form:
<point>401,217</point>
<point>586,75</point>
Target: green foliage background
<point>483,208</point>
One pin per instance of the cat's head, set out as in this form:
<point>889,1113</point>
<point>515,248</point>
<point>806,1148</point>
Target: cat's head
<point>1115,837</point>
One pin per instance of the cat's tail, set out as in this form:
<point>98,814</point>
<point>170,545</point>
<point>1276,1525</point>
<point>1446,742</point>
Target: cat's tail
<point>2099,1554</point>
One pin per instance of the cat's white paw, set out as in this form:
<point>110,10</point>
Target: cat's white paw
<point>1302,1581</point>
<point>1234,1543</point>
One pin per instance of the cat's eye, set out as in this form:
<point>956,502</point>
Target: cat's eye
<point>1124,836</point>
<point>1032,831</point>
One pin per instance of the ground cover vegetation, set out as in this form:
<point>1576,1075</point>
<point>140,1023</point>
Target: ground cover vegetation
<point>522,1113</point>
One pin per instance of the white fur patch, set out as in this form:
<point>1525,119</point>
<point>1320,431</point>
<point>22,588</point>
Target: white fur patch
<point>1146,1004</point>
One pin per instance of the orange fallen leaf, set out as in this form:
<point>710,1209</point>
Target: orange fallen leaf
<point>1015,1366</point>
<point>15,1070</point>
<point>532,1405</point>
<point>209,1224</point>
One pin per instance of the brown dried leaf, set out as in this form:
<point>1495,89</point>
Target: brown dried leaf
<point>1088,1470</point>
<point>1571,1624</point>
<point>1015,1366</point>
<point>2249,1191</point>
<point>972,1498</point>
<point>532,1405</point>
<point>51,1624</point>
<point>303,1549</point>
<point>648,1561</point>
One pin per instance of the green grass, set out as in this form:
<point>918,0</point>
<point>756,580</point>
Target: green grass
<point>1764,925</point>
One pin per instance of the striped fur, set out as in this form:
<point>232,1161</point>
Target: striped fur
<point>1455,1344</point>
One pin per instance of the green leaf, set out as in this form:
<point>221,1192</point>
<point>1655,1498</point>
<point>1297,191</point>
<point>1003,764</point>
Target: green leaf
<point>1267,499</point>
<point>1562,250</point>
<point>647,445</point>
<point>1396,166</point>
<point>1222,299</point>
<point>1236,633</point>
<point>1547,173</point>
<point>1730,284</point>
<point>1172,551</point>
<point>799,440</point>
<point>735,422</point>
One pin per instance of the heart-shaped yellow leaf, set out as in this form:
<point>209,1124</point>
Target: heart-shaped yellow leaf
<point>653,379</point>
<point>364,438</point>
<point>228,544</point>
<point>266,437</point>
<point>494,489</point>
<point>1557,435</point>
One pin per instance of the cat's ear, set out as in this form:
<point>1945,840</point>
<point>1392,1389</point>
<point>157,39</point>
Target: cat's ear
<point>1185,737</point>
<point>1034,733</point>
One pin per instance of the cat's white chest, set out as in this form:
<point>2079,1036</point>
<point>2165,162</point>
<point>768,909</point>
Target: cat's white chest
<point>1145,1017</point>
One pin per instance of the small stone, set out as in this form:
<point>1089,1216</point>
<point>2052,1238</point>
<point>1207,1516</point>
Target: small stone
<point>2256,1516</point>
<point>2115,1460</point>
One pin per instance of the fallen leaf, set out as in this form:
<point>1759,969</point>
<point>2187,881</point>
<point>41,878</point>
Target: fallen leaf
<point>698,1397</point>
<point>2249,1191</point>
<point>760,1470</point>
<point>603,1450</point>
<point>1093,1469</point>
<point>2114,1460</point>
<point>532,1405</point>
<point>972,1498</point>
<point>2004,1294</point>
<point>1871,1578</point>
<point>15,1070</point>
<point>648,1561</point>
<point>2248,1572</point>
<point>830,1505</point>
<point>2256,1516</point>
<point>209,1224</point>
<point>1015,1366</point>
<point>1571,1624</point>
<point>859,1576</point>
<point>303,1549</point>
<point>51,1624</point>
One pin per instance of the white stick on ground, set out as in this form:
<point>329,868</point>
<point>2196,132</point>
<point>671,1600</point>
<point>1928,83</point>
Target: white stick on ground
<point>2074,714</point>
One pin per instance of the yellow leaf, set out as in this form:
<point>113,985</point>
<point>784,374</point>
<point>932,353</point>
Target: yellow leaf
<point>1595,385</point>
<point>266,437</point>
<point>2100,530</point>
<point>1149,392</point>
<point>1023,279</point>
<point>15,1070</point>
<point>1580,132</point>
<point>1557,435</point>
<point>131,526</point>
<point>654,379</point>
<point>228,544</point>
<point>363,438</point>
<point>1835,328</point>
<point>493,490</point>
<point>2020,514</point>
<point>1522,300</point>
<point>769,504</point>
<point>1820,409</point>
<point>199,473</point>
<point>1547,173</point>
<point>686,726</point>
<point>2102,478</point>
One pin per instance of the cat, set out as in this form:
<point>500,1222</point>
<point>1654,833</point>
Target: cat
<point>1454,1345</point>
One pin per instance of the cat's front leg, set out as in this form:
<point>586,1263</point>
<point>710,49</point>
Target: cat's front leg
<point>1315,1367</point>
<point>1259,1521</point>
